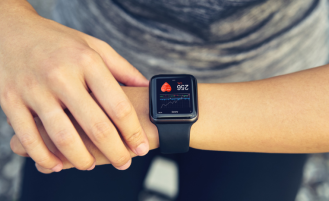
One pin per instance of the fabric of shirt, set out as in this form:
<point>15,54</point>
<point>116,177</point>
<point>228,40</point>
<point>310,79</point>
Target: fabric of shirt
<point>215,40</point>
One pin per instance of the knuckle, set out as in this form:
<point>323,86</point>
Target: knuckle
<point>63,138</point>
<point>120,161</point>
<point>55,76</point>
<point>122,110</point>
<point>28,141</point>
<point>8,96</point>
<point>100,131</point>
<point>57,68</point>
<point>87,57</point>
<point>28,83</point>
<point>44,161</point>
<point>102,43</point>
<point>135,137</point>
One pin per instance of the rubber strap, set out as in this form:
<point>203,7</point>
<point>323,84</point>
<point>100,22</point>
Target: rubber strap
<point>174,138</point>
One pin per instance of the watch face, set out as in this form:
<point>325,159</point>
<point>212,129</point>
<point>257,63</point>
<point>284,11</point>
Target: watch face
<point>173,97</point>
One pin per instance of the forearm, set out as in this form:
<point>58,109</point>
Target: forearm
<point>285,114</point>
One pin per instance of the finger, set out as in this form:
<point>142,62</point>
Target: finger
<point>26,130</point>
<point>62,132</point>
<point>120,68</point>
<point>117,105</point>
<point>100,159</point>
<point>43,170</point>
<point>96,124</point>
<point>52,147</point>
<point>17,147</point>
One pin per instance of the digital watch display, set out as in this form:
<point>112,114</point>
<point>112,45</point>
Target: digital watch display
<point>174,96</point>
<point>173,109</point>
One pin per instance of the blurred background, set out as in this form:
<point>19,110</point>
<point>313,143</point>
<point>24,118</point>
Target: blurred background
<point>162,175</point>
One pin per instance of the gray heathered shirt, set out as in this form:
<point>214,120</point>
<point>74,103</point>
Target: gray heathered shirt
<point>215,40</point>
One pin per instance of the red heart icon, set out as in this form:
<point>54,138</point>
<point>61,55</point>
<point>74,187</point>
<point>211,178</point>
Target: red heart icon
<point>166,87</point>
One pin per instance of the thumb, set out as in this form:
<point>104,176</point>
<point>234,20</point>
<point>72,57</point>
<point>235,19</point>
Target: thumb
<point>120,68</point>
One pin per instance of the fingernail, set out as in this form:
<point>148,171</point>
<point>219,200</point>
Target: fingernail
<point>125,166</point>
<point>57,168</point>
<point>92,167</point>
<point>142,149</point>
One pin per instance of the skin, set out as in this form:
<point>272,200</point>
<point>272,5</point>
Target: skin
<point>284,114</point>
<point>47,67</point>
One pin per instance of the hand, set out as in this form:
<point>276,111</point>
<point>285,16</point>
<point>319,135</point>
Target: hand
<point>139,98</point>
<point>47,67</point>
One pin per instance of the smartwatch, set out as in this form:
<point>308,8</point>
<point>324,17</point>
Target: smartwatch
<point>173,109</point>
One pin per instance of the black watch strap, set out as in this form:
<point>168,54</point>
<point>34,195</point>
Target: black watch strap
<point>174,138</point>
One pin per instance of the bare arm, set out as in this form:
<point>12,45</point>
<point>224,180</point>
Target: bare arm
<point>284,114</point>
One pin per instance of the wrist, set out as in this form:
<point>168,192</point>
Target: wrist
<point>139,96</point>
<point>15,6</point>
<point>13,15</point>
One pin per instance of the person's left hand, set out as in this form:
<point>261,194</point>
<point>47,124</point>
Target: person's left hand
<point>139,98</point>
